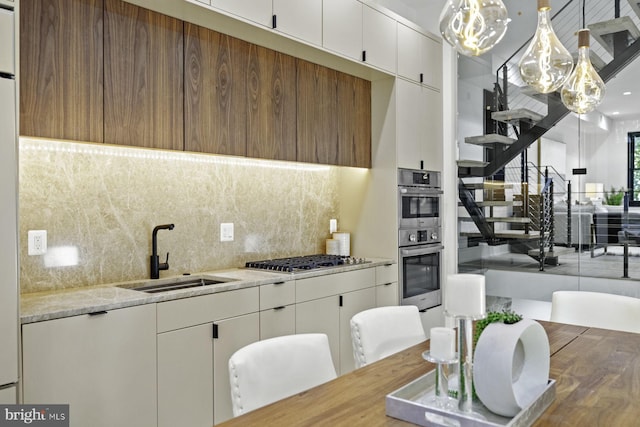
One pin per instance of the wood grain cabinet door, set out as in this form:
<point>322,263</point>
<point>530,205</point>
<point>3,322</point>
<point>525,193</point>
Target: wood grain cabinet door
<point>215,92</point>
<point>271,105</point>
<point>61,69</point>
<point>143,99</point>
<point>334,117</point>
<point>354,121</point>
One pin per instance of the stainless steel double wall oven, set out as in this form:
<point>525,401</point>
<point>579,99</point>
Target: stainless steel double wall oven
<point>419,238</point>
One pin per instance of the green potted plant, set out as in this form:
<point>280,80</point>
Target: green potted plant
<point>614,197</point>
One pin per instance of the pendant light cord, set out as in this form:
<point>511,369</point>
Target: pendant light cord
<point>584,23</point>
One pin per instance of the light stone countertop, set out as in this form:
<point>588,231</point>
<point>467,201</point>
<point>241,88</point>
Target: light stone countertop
<point>41,306</point>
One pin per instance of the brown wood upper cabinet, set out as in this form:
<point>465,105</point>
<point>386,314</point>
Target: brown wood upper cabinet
<point>334,117</point>
<point>110,71</point>
<point>61,69</point>
<point>143,88</point>
<point>271,105</point>
<point>215,92</point>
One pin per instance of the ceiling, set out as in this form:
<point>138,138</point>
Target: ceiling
<point>615,105</point>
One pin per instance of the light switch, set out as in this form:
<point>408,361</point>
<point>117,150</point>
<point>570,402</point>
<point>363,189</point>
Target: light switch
<point>226,232</point>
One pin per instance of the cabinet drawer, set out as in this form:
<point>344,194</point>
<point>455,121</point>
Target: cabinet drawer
<point>207,308</point>
<point>6,42</point>
<point>277,294</point>
<point>277,322</point>
<point>334,284</point>
<point>386,274</point>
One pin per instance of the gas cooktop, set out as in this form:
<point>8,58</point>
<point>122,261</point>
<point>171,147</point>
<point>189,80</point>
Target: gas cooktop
<point>306,262</point>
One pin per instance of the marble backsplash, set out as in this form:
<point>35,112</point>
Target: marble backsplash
<point>99,204</point>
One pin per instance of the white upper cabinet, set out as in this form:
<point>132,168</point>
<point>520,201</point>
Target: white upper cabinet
<point>258,11</point>
<point>379,39</point>
<point>342,27</point>
<point>6,42</point>
<point>299,18</point>
<point>419,57</point>
<point>419,126</point>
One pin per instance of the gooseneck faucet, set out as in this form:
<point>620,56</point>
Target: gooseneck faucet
<point>156,265</point>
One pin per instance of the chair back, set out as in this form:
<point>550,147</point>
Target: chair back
<point>596,309</point>
<point>272,369</point>
<point>379,332</point>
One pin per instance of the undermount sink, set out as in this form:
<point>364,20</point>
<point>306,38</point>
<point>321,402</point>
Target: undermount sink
<point>175,284</point>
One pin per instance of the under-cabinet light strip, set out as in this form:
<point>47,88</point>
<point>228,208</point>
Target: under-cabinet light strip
<point>59,146</point>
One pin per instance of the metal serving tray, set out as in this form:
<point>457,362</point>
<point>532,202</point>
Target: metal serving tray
<point>410,403</point>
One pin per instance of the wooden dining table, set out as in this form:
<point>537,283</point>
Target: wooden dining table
<point>597,375</point>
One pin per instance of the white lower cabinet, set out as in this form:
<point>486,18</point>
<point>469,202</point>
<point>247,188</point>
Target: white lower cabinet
<point>8,396</point>
<point>352,303</point>
<point>387,285</point>
<point>233,334</point>
<point>185,377</point>
<point>102,365</point>
<point>193,375</point>
<point>196,338</point>
<point>321,316</point>
<point>277,309</point>
<point>278,321</point>
<point>325,304</point>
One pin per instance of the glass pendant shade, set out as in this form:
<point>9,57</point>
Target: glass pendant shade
<point>584,89</point>
<point>473,26</point>
<point>546,63</point>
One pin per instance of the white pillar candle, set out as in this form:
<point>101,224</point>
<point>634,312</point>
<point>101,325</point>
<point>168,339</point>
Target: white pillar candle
<point>465,295</point>
<point>443,343</point>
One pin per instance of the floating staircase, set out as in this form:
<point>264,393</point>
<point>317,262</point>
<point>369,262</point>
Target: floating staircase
<point>515,117</point>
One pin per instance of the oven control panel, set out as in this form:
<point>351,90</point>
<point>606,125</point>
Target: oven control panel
<point>410,237</point>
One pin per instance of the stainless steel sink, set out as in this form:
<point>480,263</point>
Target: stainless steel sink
<point>175,284</point>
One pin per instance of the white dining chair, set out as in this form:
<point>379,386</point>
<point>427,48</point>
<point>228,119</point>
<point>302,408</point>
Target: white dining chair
<point>379,332</point>
<point>269,370</point>
<point>596,309</point>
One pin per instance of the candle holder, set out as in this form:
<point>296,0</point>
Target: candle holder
<point>441,399</point>
<point>465,362</point>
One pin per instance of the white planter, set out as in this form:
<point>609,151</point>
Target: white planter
<point>511,366</point>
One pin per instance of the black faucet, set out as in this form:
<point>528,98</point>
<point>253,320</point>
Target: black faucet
<point>156,265</point>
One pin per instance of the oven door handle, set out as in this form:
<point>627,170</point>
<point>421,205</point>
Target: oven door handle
<point>421,251</point>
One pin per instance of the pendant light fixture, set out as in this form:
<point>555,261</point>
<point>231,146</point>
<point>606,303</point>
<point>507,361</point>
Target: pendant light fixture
<point>584,89</point>
<point>546,64</point>
<point>473,27</point>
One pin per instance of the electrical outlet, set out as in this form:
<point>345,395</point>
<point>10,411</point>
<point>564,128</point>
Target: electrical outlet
<point>226,232</point>
<point>37,242</point>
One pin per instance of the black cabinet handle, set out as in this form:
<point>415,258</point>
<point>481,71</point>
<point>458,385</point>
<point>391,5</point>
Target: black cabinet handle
<point>340,301</point>
<point>279,283</point>
<point>282,307</point>
<point>421,77</point>
<point>364,56</point>
<point>274,21</point>
<point>98,313</point>
<point>422,164</point>
<point>215,331</point>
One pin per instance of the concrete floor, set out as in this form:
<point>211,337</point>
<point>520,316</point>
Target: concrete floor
<point>515,282</point>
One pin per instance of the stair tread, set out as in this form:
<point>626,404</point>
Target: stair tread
<point>492,138</point>
<point>489,185</point>
<point>472,163</point>
<point>511,116</point>
<point>490,203</point>
<point>603,31</point>
<point>512,219</point>
<point>507,234</point>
